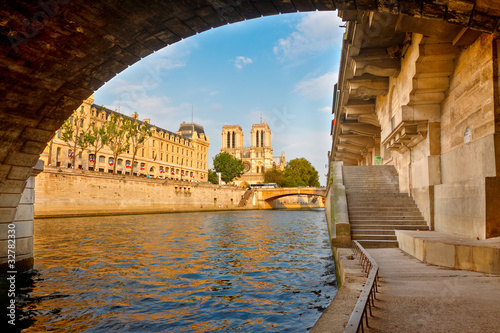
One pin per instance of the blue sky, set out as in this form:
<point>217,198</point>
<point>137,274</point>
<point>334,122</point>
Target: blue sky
<point>281,67</point>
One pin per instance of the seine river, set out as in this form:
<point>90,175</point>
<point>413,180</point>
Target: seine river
<point>249,271</point>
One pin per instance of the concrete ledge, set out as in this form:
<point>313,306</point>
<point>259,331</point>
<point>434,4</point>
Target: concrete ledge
<point>350,281</point>
<point>437,248</point>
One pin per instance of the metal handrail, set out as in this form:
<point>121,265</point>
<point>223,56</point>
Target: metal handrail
<point>367,297</point>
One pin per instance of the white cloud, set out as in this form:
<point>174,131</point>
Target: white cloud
<point>241,61</point>
<point>316,88</point>
<point>326,109</point>
<point>315,33</point>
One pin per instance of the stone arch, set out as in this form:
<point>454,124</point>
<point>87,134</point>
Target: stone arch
<point>46,73</point>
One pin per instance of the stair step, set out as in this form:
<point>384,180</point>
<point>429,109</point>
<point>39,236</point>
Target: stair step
<point>378,243</point>
<point>356,232</point>
<point>389,227</point>
<point>387,212</point>
<point>380,222</point>
<point>375,237</point>
<point>385,218</point>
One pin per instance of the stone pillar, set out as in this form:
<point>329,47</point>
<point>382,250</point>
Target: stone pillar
<point>16,225</point>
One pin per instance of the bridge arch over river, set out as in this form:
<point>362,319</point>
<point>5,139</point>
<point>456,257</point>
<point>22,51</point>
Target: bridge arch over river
<point>56,53</point>
<point>265,196</point>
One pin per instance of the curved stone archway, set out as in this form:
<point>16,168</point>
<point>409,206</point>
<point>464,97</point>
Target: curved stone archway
<point>56,53</point>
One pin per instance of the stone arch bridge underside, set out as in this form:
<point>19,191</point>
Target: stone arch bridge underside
<point>56,53</point>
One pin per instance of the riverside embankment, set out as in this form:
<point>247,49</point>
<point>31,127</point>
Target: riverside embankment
<point>69,192</point>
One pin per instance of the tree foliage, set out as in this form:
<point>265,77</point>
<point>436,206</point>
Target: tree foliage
<point>137,134</point>
<point>274,176</point>
<point>116,129</point>
<point>229,166</point>
<point>298,172</point>
<point>213,177</point>
<point>75,133</point>
<point>97,138</point>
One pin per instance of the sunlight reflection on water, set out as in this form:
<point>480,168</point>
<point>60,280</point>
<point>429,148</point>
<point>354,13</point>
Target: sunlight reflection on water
<point>249,271</point>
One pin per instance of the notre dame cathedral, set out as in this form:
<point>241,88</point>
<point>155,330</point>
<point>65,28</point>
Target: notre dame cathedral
<point>256,159</point>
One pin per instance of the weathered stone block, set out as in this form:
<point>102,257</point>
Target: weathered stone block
<point>485,259</point>
<point>9,200</point>
<point>7,214</point>
<point>19,173</point>
<point>24,212</point>
<point>24,246</point>
<point>12,186</point>
<point>464,257</point>
<point>28,196</point>
<point>22,229</point>
<point>440,254</point>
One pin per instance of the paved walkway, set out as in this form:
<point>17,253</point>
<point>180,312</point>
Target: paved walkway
<point>417,297</point>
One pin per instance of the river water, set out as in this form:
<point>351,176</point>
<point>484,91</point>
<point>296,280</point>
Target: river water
<point>248,271</point>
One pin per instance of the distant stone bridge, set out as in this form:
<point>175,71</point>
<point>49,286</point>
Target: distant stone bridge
<point>265,196</point>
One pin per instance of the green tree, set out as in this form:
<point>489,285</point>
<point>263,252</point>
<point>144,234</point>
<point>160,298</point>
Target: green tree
<point>74,132</point>
<point>300,172</point>
<point>213,177</point>
<point>116,130</point>
<point>229,166</point>
<point>274,176</point>
<point>137,134</point>
<point>97,138</point>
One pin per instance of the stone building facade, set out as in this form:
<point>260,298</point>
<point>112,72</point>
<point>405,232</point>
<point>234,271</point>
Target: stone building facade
<point>258,157</point>
<point>424,97</point>
<point>182,155</point>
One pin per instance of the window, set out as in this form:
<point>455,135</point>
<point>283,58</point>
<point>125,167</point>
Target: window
<point>161,156</point>
<point>59,134</point>
<point>257,139</point>
<point>142,153</point>
<point>234,140</point>
<point>161,145</point>
<point>153,143</point>
<point>119,162</point>
<point>262,138</point>
<point>82,108</point>
<point>102,159</point>
<point>228,139</point>
<point>81,121</point>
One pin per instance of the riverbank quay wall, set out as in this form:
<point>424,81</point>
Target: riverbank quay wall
<point>424,97</point>
<point>69,192</point>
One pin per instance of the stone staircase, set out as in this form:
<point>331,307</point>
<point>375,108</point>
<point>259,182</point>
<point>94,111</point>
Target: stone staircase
<point>246,196</point>
<point>376,208</point>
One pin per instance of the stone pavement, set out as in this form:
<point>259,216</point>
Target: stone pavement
<point>417,297</point>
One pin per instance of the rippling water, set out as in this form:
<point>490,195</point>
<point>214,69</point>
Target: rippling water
<point>250,271</point>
